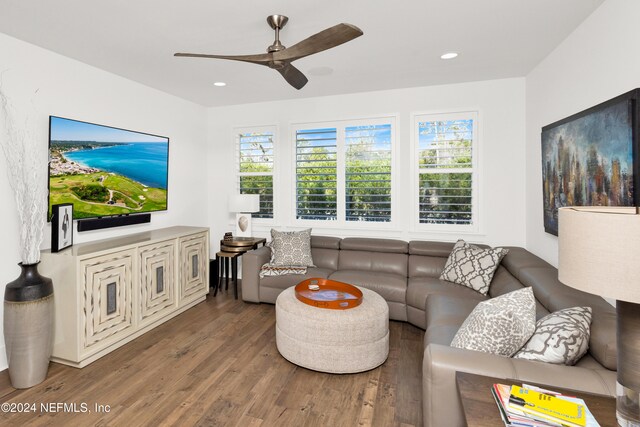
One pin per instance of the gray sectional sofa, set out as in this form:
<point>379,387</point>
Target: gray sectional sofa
<point>406,275</point>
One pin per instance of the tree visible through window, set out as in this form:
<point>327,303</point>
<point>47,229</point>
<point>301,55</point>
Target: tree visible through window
<point>343,173</point>
<point>445,164</point>
<point>255,168</point>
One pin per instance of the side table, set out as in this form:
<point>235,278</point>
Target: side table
<point>481,410</point>
<point>230,251</point>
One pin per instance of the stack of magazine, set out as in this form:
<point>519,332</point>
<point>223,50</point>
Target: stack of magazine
<point>530,406</point>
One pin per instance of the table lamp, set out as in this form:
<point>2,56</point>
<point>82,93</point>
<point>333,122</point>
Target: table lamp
<point>244,205</point>
<point>599,251</point>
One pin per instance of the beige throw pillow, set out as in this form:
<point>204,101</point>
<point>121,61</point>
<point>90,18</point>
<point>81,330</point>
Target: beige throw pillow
<point>291,248</point>
<point>501,325</point>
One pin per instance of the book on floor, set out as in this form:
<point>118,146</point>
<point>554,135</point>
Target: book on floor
<point>547,407</point>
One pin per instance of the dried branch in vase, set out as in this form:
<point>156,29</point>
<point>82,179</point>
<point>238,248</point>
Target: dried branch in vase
<point>26,160</point>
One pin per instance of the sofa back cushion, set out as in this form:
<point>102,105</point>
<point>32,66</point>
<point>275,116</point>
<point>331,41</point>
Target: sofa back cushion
<point>374,245</point>
<point>325,251</point>
<point>373,261</point>
<point>426,266</point>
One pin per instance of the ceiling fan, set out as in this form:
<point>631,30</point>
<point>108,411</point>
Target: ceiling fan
<point>280,57</point>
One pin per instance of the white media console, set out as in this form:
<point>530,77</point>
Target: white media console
<point>110,291</point>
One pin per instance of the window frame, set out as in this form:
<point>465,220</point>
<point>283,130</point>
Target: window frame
<point>476,226</point>
<point>341,125</point>
<point>239,130</point>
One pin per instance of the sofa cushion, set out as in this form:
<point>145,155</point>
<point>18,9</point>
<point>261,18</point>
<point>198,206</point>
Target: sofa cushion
<point>503,283</point>
<point>325,258</point>
<point>501,325</point>
<point>445,314</point>
<point>561,337</point>
<point>472,266</point>
<point>393,263</point>
<point>426,266</point>
<point>291,248</point>
<point>520,258</point>
<point>286,281</point>
<point>422,287</point>
<point>555,296</point>
<point>392,287</point>
<point>325,242</point>
<point>374,245</point>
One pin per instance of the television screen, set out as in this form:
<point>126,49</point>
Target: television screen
<point>106,171</point>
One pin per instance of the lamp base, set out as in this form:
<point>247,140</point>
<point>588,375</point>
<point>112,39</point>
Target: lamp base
<point>627,406</point>
<point>628,386</point>
<point>243,225</point>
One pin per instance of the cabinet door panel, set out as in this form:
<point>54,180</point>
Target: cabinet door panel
<point>107,311</point>
<point>194,261</point>
<point>157,281</point>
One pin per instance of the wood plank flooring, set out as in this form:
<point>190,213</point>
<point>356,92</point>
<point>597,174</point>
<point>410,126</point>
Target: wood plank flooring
<point>217,365</point>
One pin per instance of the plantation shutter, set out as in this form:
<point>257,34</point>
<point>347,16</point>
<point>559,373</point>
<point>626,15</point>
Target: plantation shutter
<point>316,174</point>
<point>445,165</point>
<point>368,173</point>
<point>255,169</point>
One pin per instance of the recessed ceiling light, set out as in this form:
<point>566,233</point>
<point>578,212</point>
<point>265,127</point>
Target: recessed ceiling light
<point>448,55</point>
<point>219,84</point>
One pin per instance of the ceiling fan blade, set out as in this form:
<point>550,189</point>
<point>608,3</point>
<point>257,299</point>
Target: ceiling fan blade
<point>326,39</point>
<point>294,76</point>
<point>262,58</point>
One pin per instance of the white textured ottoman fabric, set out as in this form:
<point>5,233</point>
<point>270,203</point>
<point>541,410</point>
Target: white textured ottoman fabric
<point>333,341</point>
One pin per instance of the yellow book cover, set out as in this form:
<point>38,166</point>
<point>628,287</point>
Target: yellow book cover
<point>547,407</point>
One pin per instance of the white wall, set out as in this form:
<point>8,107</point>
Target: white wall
<point>598,61</point>
<point>501,126</point>
<point>72,89</point>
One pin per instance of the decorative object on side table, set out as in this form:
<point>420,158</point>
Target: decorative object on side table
<point>588,159</point>
<point>28,300</point>
<point>598,251</point>
<point>61,226</point>
<point>244,205</point>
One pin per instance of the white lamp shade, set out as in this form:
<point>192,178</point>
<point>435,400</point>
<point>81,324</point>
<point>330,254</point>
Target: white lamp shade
<point>599,251</point>
<point>244,203</point>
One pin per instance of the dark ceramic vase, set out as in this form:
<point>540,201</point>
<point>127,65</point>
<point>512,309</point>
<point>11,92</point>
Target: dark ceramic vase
<point>28,326</point>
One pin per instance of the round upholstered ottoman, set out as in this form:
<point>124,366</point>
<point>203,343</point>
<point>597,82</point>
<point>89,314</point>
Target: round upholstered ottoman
<point>333,341</point>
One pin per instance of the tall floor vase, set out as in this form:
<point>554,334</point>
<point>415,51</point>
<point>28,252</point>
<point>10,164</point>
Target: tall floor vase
<point>28,326</point>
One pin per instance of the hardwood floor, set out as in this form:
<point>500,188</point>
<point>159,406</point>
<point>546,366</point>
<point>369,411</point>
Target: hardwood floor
<point>217,365</point>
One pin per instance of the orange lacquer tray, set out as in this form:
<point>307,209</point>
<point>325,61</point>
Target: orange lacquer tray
<point>333,295</point>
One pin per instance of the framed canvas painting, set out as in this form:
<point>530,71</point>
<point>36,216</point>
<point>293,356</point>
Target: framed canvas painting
<point>61,226</point>
<point>590,158</point>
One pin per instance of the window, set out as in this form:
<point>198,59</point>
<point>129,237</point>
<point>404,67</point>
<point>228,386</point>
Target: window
<point>255,167</point>
<point>344,171</point>
<point>446,169</point>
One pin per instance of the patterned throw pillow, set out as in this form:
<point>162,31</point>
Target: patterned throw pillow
<point>561,337</point>
<point>292,248</point>
<point>501,325</point>
<point>471,266</point>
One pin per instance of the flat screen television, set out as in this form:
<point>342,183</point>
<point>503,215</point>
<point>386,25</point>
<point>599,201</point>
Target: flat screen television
<point>106,171</point>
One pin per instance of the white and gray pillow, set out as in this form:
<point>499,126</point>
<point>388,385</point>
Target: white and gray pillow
<point>561,337</point>
<point>291,248</point>
<point>501,325</point>
<point>471,266</point>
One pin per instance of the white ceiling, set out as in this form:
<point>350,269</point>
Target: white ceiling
<point>401,46</point>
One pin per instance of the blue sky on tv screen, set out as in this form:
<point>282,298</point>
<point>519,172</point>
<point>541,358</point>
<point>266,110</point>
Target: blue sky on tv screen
<point>72,130</point>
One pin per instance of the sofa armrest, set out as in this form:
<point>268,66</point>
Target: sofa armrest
<point>252,261</point>
<point>441,403</point>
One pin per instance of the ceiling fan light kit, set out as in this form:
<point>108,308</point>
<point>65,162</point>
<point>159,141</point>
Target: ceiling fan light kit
<point>280,57</point>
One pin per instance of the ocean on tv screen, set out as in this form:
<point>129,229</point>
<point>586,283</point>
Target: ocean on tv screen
<point>108,178</point>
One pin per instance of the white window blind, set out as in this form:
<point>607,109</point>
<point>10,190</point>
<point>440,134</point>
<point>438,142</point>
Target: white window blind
<point>255,168</point>
<point>316,174</point>
<point>446,169</point>
<point>368,173</point>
